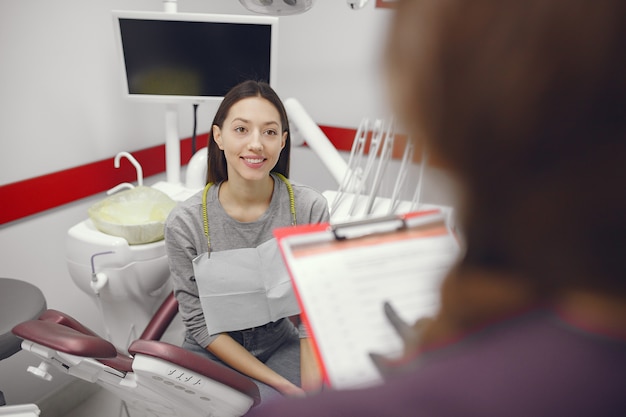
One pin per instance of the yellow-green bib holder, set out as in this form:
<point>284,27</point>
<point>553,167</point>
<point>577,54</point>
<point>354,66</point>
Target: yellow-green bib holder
<point>205,217</point>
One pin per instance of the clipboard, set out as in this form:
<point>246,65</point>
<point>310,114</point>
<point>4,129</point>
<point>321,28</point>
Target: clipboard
<point>342,275</point>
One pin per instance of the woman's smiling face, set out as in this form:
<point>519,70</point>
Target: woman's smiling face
<point>252,138</point>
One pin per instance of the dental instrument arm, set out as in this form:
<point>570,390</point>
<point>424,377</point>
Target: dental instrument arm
<point>386,148</point>
<point>233,354</point>
<point>353,171</point>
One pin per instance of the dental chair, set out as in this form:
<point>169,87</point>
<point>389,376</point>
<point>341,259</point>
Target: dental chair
<point>155,379</point>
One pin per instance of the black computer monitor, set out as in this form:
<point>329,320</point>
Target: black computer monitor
<point>193,57</point>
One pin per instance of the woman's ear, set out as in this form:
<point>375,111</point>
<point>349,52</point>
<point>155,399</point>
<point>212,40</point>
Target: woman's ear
<point>284,141</point>
<point>217,136</point>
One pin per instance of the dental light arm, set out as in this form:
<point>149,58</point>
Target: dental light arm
<point>300,120</point>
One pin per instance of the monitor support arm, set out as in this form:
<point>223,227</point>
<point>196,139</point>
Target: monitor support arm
<point>172,144</point>
<point>170,6</point>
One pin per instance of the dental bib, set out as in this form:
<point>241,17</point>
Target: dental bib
<point>247,287</point>
<point>244,288</point>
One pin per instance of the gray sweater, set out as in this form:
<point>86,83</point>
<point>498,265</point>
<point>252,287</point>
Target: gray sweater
<point>185,239</point>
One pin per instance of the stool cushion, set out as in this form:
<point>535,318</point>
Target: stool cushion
<point>19,301</point>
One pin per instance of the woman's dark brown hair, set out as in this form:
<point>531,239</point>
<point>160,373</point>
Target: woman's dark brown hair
<point>217,168</point>
<point>525,103</point>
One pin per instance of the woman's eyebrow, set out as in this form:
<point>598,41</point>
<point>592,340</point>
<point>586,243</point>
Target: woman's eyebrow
<point>270,122</point>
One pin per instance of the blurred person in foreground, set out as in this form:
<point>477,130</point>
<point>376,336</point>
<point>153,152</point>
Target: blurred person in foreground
<point>524,102</point>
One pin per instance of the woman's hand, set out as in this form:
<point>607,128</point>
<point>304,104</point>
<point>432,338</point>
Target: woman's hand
<point>290,390</point>
<point>232,353</point>
<point>310,375</point>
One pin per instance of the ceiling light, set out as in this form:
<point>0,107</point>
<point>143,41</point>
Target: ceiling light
<point>278,7</point>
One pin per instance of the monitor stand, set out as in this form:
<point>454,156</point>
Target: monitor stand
<point>172,144</point>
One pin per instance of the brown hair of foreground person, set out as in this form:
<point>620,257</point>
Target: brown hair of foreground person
<point>525,103</point>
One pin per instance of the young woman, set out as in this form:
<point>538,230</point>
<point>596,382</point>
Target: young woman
<point>524,102</point>
<point>226,269</point>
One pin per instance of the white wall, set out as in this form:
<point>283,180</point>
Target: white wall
<point>61,107</point>
<point>60,84</point>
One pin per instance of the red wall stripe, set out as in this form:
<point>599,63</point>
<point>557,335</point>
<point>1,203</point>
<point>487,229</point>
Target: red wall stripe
<point>35,195</point>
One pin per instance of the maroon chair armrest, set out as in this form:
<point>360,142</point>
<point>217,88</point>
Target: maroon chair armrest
<point>66,320</point>
<point>119,361</point>
<point>196,363</point>
<point>161,319</point>
<point>64,339</point>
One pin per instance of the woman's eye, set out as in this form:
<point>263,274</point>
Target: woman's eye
<point>271,132</point>
<point>240,129</point>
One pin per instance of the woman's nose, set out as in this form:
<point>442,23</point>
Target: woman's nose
<point>255,141</point>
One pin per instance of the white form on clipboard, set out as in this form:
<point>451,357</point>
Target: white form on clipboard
<point>343,274</point>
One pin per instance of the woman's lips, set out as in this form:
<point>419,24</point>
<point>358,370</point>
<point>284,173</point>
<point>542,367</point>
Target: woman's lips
<point>253,161</point>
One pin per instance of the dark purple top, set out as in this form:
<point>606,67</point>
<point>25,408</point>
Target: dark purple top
<point>536,364</point>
